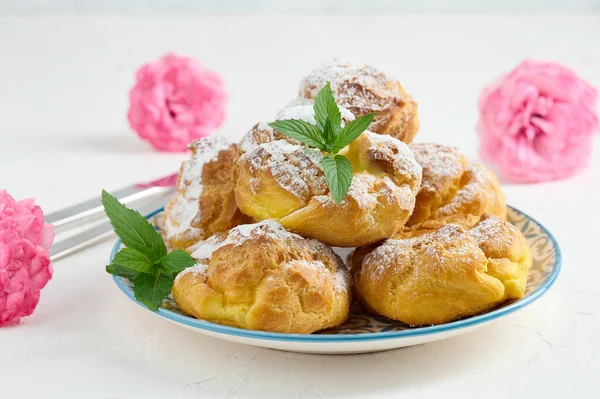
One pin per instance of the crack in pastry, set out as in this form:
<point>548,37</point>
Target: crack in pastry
<point>452,186</point>
<point>205,201</point>
<point>262,277</point>
<point>443,270</point>
<point>283,181</point>
<point>362,89</point>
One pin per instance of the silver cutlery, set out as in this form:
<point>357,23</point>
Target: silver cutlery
<point>84,224</point>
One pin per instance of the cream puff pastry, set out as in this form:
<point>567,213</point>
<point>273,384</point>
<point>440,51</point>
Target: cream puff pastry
<point>205,201</point>
<point>452,186</point>
<point>443,270</point>
<point>262,277</point>
<point>362,89</point>
<point>283,181</point>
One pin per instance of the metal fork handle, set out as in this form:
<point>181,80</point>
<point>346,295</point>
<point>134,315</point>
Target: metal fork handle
<point>101,231</point>
<point>91,210</point>
<point>89,215</point>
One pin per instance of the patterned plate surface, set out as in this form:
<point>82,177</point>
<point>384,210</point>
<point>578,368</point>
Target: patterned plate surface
<point>365,333</point>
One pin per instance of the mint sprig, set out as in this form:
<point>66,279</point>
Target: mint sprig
<point>330,137</point>
<point>145,259</point>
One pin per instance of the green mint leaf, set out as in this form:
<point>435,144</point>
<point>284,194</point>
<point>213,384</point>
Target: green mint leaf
<point>133,229</point>
<point>151,289</point>
<point>325,107</point>
<point>133,260</point>
<point>300,130</point>
<point>352,130</point>
<point>122,271</point>
<point>176,261</point>
<point>329,134</point>
<point>338,172</point>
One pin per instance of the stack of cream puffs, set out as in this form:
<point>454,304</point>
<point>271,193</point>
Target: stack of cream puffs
<point>430,231</point>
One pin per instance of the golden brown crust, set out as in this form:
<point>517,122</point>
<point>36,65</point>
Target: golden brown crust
<point>261,277</point>
<point>205,200</point>
<point>261,133</point>
<point>362,89</point>
<point>277,178</point>
<point>443,269</point>
<point>282,181</point>
<point>451,186</point>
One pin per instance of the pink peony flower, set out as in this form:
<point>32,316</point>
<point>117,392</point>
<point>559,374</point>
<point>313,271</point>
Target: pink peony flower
<point>175,101</point>
<point>537,122</point>
<point>25,266</point>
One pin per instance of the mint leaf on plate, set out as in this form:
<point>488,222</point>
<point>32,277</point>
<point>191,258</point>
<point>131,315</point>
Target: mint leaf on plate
<point>144,260</point>
<point>151,289</point>
<point>122,271</point>
<point>133,260</point>
<point>133,229</point>
<point>176,261</point>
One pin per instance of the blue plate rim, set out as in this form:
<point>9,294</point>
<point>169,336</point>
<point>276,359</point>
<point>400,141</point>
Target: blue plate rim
<point>341,338</point>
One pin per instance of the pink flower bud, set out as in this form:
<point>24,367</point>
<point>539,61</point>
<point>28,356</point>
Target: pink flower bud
<point>175,101</point>
<point>537,122</point>
<point>25,266</point>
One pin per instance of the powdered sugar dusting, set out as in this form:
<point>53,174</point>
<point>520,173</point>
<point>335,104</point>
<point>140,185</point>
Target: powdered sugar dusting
<point>270,229</point>
<point>383,140</point>
<point>492,228</point>
<point>390,149</point>
<point>296,168</point>
<point>353,85</point>
<point>314,264</point>
<point>434,243</point>
<point>384,256</point>
<point>238,235</point>
<point>452,186</point>
<point>441,164</point>
<point>478,189</point>
<point>263,133</point>
<point>341,278</point>
<point>199,269</point>
<point>185,207</point>
<point>406,171</point>
<point>260,133</point>
<point>203,250</point>
<point>307,114</point>
<point>302,112</point>
<point>361,190</point>
<point>479,178</point>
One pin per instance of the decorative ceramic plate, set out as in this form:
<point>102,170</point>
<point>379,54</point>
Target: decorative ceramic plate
<point>366,333</point>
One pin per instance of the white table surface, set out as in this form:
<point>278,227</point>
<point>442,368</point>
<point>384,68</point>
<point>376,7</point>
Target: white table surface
<point>64,137</point>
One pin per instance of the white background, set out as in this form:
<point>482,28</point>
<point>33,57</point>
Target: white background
<point>64,137</point>
<point>227,7</point>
